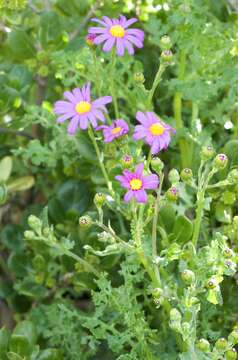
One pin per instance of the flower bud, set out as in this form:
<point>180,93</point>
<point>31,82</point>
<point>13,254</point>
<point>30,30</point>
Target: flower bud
<point>221,344</point>
<point>46,231</point>
<point>174,176</point>
<point>203,345</point>
<point>90,39</point>
<point>156,164</point>
<point>29,235</point>
<point>220,161</point>
<point>231,354</point>
<point>233,175</point>
<point>233,337</point>
<point>3,194</point>
<point>186,174</point>
<point>139,78</point>
<point>175,315</point>
<point>99,199</point>
<point>188,276</point>
<point>34,222</point>
<point>172,194</point>
<point>157,293</point>
<point>211,284</point>
<point>207,152</point>
<point>85,222</point>
<point>165,42</point>
<point>167,56</point>
<point>228,253</point>
<point>127,161</point>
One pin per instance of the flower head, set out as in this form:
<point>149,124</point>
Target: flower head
<point>116,32</point>
<point>90,39</point>
<point>81,109</point>
<point>118,128</point>
<point>155,132</point>
<point>136,183</point>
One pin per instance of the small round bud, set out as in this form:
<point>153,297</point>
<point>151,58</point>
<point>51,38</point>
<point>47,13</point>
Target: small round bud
<point>211,284</point>
<point>174,176</point>
<point>221,344</point>
<point>156,164</point>
<point>220,161</point>
<point>172,194</point>
<point>165,42</point>
<point>229,264</point>
<point>34,222</point>
<point>3,194</point>
<point>167,56</point>
<point>127,161</point>
<point>203,345</point>
<point>175,315</point>
<point>46,231</point>
<point>207,152</point>
<point>186,174</point>
<point>99,199</point>
<point>139,77</point>
<point>157,292</point>
<point>233,175</point>
<point>231,354</point>
<point>233,337</point>
<point>90,39</point>
<point>228,253</point>
<point>188,276</point>
<point>29,235</point>
<point>85,222</point>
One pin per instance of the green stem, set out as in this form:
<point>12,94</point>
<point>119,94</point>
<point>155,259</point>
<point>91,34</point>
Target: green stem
<point>195,111</point>
<point>100,160</point>
<point>113,91</point>
<point>156,82</point>
<point>83,262</point>
<point>178,112</point>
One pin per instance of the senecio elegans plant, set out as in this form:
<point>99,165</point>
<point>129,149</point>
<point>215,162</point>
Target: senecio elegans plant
<point>146,270</point>
<point>169,274</point>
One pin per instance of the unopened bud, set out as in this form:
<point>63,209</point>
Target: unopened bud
<point>221,344</point>
<point>34,222</point>
<point>220,161</point>
<point>203,345</point>
<point>165,42</point>
<point>207,152</point>
<point>175,315</point>
<point>188,276</point>
<point>233,337</point>
<point>186,174</point>
<point>167,56</point>
<point>228,253</point>
<point>29,235</point>
<point>90,39</point>
<point>231,354</point>
<point>46,231</point>
<point>211,284</point>
<point>127,161</point>
<point>85,221</point>
<point>174,176</point>
<point>156,164</point>
<point>172,194</point>
<point>139,77</point>
<point>99,199</point>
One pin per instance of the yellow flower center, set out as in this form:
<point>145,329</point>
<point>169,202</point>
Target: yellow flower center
<point>116,130</point>
<point>136,184</point>
<point>83,107</point>
<point>156,129</point>
<point>117,31</point>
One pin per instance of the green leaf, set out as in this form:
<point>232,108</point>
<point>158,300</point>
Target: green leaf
<point>20,345</point>
<point>14,356</point>
<point>214,296</point>
<point>4,341</point>
<point>21,184</point>
<point>5,168</point>
<point>50,28</point>
<point>50,354</point>
<point>11,236</point>
<point>223,213</point>
<point>28,330</point>
<point>20,45</point>
<point>183,229</point>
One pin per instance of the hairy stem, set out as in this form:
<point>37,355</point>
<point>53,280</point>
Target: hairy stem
<point>156,82</point>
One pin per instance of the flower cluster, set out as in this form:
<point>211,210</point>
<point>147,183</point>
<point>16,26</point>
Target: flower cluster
<point>83,111</point>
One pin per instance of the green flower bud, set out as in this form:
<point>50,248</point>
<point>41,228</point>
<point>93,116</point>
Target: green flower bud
<point>127,161</point>
<point>186,174</point>
<point>221,344</point>
<point>175,315</point>
<point>231,354</point>
<point>233,337</point>
<point>99,199</point>
<point>34,222</point>
<point>139,78</point>
<point>29,235</point>
<point>165,43</point>
<point>43,71</point>
<point>188,276</point>
<point>3,194</point>
<point>220,161</point>
<point>203,345</point>
<point>156,164</point>
<point>211,284</point>
<point>228,253</point>
<point>46,231</point>
<point>85,222</point>
<point>174,176</point>
<point>157,293</point>
<point>207,152</point>
<point>167,57</point>
<point>233,175</point>
<point>172,194</point>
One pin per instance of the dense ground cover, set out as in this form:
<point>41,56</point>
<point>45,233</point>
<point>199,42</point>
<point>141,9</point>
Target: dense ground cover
<point>118,179</point>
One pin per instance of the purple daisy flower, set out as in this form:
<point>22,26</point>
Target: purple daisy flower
<point>118,128</point>
<point>136,183</point>
<point>81,109</point>
<point>116,32</point>
<point>155,132</point>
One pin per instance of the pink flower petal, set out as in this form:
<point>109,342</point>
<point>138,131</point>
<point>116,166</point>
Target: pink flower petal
<point>128,195</point>
<point>140,196</point>
<point>97,30</point>
<point>73,125</point>
<point>139,170</point>
<point>99,39</point>
<point>109,44</point>
<point>120,47</point>
<point>69,96</point>
<point>130,22</point>
<point>150,181</point>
